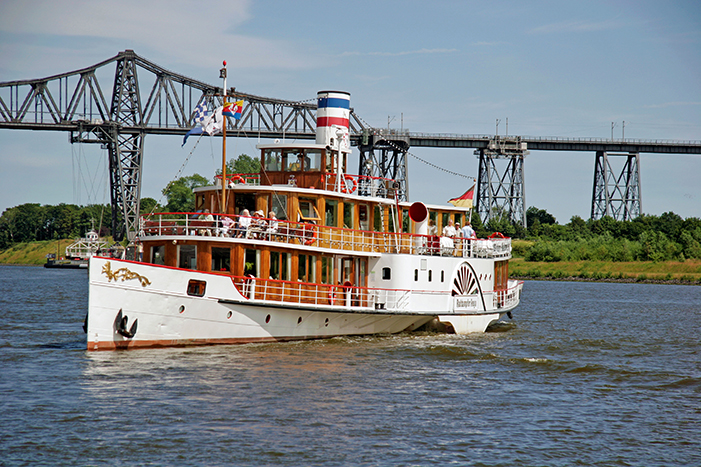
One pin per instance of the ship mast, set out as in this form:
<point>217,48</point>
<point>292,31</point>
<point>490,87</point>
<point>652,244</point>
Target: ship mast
<point>222,74</point>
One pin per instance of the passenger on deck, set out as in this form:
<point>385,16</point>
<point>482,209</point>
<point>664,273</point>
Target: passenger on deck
<point>227,223</point>
<point>433,237</point>
<point>208,219</point>
<point>258,225</point>
<point>244,223</point>
<point>447,243</point>
<point>272,226</point>
<point>468,231</point>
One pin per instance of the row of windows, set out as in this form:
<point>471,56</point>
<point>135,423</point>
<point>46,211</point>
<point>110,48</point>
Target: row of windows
<point>387,274</point>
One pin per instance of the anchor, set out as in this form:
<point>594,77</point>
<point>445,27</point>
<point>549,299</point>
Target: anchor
<point>120,324</point>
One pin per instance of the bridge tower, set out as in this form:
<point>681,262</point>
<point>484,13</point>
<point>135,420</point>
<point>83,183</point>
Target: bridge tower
<point>383,155</point>
<point>502,193</point>
<point>123,137</point>
<point>619,197</point>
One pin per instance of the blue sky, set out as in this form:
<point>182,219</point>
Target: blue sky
<point>553,68</point>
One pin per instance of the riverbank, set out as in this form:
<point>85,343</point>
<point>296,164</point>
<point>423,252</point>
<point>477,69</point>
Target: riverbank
<point>34,253</point>
<point>661,272</point>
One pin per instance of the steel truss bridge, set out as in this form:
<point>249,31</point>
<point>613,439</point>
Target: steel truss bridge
<point>118,109</point>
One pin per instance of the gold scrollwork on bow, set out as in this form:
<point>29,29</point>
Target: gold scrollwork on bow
<point>123,274</point>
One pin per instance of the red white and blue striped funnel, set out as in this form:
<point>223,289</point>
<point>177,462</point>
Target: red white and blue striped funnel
<point>332,119</point>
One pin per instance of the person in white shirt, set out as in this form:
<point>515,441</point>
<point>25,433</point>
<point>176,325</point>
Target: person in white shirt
<point>244,223</point>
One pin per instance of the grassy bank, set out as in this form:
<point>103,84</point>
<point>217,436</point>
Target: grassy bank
<point>34,253</point>
<point>687,272</point>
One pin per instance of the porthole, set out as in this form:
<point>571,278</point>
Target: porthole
<point>326,322</point>
<point>299,320</point>
<point>181,310</point>
<point>229,314</point>
<point>267,319</point>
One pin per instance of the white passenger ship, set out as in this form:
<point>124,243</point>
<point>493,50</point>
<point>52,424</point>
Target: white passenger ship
<point>318,253</point>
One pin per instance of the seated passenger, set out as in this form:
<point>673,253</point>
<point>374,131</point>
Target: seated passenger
<point>227,224</point>
<point>272,226</point>
<point>244,224</point>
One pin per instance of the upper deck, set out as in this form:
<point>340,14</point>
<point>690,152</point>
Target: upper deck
<point>311,236</point>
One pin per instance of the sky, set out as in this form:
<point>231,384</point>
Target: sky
<point>552,68</point>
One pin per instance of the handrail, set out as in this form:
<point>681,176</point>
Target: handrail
<point>349,296</point>
<point>321,236</point>
<point>308,293</point>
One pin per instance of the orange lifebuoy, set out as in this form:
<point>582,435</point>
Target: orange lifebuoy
<point>239,179</point>
<point>312,234</point>
<point>497,235</point>
<point>344,185</point>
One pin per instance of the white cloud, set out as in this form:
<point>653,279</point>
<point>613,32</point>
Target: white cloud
<point>199,34</point>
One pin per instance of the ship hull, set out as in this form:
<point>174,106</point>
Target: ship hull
<point>157,297</point>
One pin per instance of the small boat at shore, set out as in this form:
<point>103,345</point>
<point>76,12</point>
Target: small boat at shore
<point>79,252</point>
<point>300,250</point>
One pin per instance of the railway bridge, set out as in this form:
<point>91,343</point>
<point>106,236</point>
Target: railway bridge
<point>118,109</point>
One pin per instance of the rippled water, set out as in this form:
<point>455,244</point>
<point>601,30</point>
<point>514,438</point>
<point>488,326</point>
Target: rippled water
<point>591,374</point>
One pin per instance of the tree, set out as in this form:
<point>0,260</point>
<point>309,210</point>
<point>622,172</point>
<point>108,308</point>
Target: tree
<point>243,164</point>
<point>148,205</point>
<point>179,193</point>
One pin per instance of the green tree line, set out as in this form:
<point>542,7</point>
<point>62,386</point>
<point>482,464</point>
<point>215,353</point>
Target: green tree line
<point>35,222</point>
<point>645,238</point>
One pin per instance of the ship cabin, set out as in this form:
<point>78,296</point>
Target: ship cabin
<point>304,220</point>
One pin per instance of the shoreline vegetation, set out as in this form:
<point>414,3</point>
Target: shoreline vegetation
<point>649,248</point>
<point>687,272</point>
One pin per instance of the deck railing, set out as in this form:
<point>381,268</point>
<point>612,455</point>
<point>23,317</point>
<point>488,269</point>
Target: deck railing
<point>305,293</point>
<point>309,234</point>
<point>352,297</point>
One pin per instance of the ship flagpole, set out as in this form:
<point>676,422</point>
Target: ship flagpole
<point>222,207</point>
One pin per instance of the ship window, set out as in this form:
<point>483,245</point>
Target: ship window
<point>386,274</point>
<point>292,160</point>
<point>196,288</point>
<point>363,220</point>
<point>279,265</point>
<point>187,256</point>
<point>312,160</point>
<point>430,275</point>
<point>331,206</point>
<point>442,276</point>
<point>377,224</point>
<point>279,206</point>
<point>416,275</point>
<point>220,259</point>
<point>348,209</point>
<point>251,263</point>
<point>158,254</point>
<point>326,270</point>
<point>273,160</point>
<point>306,270</point>
<point>307,211</point>
<point>406,223</point>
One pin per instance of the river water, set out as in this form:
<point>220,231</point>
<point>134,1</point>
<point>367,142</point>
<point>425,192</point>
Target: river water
<point>590,374</point>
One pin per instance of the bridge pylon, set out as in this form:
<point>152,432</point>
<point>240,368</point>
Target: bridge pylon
<point>502,192</point>
<point>618,197</point>
<point>383,155</point>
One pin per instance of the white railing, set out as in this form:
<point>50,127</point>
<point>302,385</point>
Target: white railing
<point>310,294</point>
<point>309,234</point>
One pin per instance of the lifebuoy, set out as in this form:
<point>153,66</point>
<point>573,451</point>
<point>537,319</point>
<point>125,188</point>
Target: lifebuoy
<point>309,234</point>
<point>239,179</point>
<point>497,235</point>
<point>344,185</point>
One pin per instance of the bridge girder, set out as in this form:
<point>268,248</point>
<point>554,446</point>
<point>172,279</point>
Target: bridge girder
<point>75,102</point>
